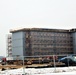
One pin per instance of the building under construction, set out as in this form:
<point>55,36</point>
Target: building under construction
<point>41,41</point>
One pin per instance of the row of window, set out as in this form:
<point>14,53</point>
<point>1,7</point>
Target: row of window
<point>51,41</point>
<point>51,45</point>
<point>52,49</point>
<point>50,37</point>
<point>50,34</point>
<point>50,53</point>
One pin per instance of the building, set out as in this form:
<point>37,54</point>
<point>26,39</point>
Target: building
<point>41,41</point>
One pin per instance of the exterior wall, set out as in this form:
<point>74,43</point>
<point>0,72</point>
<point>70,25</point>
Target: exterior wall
<point>74,42</point>
<point>17,44</point>
<point>28,44</point>
<point>46,43</point>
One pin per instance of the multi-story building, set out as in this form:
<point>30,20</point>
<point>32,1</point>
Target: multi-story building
<point>41,41</point>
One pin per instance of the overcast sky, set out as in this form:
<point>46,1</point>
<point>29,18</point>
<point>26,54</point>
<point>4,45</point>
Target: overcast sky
<point>59,14</point>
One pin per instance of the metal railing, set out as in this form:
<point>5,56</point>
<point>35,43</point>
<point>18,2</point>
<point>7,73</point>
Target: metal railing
<point>42,61</point>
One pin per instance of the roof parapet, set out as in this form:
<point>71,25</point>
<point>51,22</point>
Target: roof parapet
<point>41,29</point>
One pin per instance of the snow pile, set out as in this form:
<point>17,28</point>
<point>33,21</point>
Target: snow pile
<point>41,71</point>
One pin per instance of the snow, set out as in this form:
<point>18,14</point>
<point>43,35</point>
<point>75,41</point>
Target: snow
<point>41,71</point>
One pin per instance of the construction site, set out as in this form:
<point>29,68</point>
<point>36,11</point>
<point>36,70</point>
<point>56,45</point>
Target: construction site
<point>39,47</point>
<point>37,62</point>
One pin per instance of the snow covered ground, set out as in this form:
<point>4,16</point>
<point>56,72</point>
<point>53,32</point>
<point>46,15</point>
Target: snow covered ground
<point>41,71</point>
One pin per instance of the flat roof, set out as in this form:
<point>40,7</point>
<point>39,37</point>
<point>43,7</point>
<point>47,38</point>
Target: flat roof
<point>42,29</point>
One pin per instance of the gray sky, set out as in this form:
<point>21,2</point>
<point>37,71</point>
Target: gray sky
<point>59,14</point>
